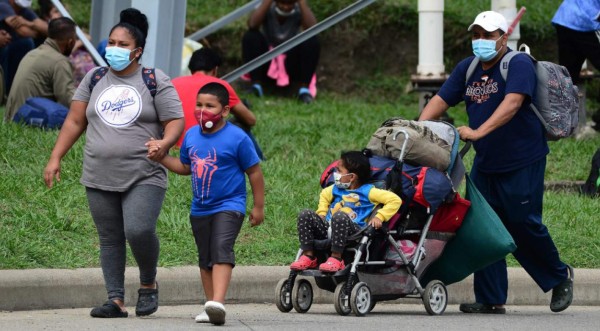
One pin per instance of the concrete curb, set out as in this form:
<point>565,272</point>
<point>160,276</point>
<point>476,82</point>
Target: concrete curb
<point>78,288</point>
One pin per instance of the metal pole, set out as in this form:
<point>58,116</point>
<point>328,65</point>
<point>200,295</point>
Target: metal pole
<point>90,48</point>
<point>216,25</point>
<point>299,38</point>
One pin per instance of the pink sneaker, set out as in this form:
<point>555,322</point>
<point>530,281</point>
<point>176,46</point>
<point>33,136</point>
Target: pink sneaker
<point>332,265</point>
<point>303,263</point>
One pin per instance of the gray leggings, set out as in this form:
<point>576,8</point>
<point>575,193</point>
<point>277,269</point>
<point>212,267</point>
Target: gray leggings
<point>131,216</point>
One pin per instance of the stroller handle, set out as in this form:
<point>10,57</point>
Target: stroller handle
<point>406,137</point>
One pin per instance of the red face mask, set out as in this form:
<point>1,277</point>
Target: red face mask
<point>206,119</point>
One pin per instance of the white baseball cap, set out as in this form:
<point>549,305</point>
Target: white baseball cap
<point>24,3</point>
<point>490,21</point>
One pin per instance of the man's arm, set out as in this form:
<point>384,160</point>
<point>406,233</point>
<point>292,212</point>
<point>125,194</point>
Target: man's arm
<point>506,110</point>
<point>258,16</point>
<point>243,114</point>
<point>434,109</point>
<point>25,28</point>
<point>62,83</point>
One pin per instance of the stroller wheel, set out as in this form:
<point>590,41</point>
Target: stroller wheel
<point>302,295</point>
<point>283,296</point>
<point>360,299</point>
<point>341,300</point>
<point>435,297</point>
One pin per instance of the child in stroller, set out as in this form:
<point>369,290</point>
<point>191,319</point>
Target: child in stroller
<point>346,206</point>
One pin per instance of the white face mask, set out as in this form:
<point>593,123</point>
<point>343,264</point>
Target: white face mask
<point>284,13</point>
<point>24,3</point>
<point>337,177</point>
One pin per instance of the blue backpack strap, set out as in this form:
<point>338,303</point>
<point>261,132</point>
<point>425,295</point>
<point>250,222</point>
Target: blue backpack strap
<point>97,76</point>
<point>149,77</point>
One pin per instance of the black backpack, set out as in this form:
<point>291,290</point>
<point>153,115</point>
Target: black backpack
<point>148,76</point>
<point>592,184</point>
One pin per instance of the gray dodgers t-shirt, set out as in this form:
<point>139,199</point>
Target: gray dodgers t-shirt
<point>122,116</point>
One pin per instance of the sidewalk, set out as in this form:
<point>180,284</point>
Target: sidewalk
<point>78,288</point>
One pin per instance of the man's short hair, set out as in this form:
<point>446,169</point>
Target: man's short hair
<point>61,28</point>
<point>204,59</point>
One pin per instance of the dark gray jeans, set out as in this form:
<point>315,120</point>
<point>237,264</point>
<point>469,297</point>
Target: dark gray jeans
<point>126,216</point>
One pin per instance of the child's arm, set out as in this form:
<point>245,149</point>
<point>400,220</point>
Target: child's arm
<point>325,199</point>
<point>257,183</point>
<point>391,203</point>
<point>174,164</point>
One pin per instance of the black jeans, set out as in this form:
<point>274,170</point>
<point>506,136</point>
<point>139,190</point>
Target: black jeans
<point>576,46</point>
<point>300,63</point>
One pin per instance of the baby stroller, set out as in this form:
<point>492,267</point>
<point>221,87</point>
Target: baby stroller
<point>380,265</point>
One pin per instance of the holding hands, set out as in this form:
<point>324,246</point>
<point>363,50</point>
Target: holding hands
<point>156,150</point>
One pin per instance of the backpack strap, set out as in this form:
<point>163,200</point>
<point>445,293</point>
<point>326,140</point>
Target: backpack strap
<point>471,69</point>
<point>97,76</point>
<point>149,77</point>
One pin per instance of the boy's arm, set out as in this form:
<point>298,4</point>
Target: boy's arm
<point>174,164</point>
<point>325,199</point>
<point>390,201</point>
<point>257,183</point>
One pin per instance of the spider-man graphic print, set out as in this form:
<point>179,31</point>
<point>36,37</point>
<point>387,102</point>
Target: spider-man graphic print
<point>203,170</point>
<point>218,162</point>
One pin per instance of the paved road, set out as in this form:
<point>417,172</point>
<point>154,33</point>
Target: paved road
<point>385,316</point>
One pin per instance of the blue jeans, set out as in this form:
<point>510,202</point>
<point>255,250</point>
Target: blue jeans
<point>10,57</point>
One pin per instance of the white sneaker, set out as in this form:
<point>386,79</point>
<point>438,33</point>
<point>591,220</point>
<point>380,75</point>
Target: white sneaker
<point>215,311</point>
<point>202,317</point>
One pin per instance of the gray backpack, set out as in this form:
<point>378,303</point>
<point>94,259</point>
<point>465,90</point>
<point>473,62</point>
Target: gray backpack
<point>557,99</point>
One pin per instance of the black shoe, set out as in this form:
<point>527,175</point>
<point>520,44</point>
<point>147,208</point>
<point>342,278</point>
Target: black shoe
<point>481,308</point>
<point>147,301</point>
<point>108,310</point>
<point>305,98</point>
<point>562,294</point>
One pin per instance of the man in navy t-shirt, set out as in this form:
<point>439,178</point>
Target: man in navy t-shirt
<point>510,161</point>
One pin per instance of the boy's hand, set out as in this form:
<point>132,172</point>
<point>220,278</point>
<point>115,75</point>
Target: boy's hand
<point>375,222</point>
<point>257,216</point>
<point>155,150</point>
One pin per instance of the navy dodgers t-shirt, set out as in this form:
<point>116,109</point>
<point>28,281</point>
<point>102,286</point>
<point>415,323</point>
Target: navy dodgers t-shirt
<point>519,142</point>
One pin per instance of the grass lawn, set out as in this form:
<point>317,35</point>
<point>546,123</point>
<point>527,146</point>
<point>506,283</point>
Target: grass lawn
<point>42,228</point>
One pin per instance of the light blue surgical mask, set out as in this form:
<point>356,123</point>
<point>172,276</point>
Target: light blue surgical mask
<point>485,49</point>
<point>118,57</point>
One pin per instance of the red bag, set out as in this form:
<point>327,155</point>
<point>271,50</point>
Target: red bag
<point>449,216</point>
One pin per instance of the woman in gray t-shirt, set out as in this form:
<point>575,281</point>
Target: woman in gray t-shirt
<point>120,109</point>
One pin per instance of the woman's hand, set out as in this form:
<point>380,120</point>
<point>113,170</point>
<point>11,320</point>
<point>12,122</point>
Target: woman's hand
<point>51,171</point>
<point>156,150</point>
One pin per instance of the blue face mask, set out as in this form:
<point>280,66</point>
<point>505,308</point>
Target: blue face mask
<point>485,49</point>
<point>118,57</point>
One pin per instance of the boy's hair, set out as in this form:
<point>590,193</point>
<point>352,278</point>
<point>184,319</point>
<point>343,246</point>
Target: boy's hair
<point>204,59</point>
<point>357,162</point>
<point>218,90</point>
<point>61,28</point>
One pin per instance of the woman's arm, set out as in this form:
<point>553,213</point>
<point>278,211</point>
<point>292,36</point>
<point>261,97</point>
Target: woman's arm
<point>172,131</point>
<point>308,18</point>
<point>258,16</point>
<point>73,127</point>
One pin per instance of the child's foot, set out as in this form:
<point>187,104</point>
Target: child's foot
<point>215,311</point>
<point>332,265</point>
<point>202,317</point>
<point>304,95</point>
<point>303,263</point>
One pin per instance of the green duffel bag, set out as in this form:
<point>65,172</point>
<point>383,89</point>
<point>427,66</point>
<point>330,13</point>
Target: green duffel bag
<point>481,240</point>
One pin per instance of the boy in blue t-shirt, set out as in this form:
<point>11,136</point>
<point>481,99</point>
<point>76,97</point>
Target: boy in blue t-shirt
<point>217,154</point>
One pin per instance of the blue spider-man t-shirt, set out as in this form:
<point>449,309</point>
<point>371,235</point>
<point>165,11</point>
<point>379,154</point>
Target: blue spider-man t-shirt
<point>519,142</point>
<point>218,162</point>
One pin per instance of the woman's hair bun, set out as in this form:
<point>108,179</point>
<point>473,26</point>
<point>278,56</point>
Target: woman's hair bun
<point>367,152</point>
<point>136,18</point>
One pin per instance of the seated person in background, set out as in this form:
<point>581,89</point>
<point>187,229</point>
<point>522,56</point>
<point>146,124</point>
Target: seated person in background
<point>281,20</point>
<point>345,206</point>
<point>46,71</point>
<point>81,59</point>
<point>23,25</point>
<point>204,65</point>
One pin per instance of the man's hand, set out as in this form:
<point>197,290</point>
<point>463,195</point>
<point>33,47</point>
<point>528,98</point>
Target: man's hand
<point>466,133</point>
